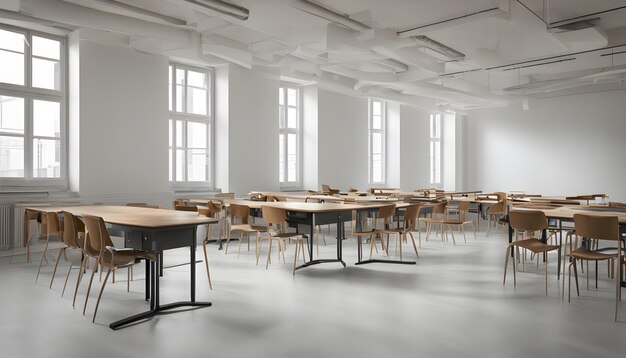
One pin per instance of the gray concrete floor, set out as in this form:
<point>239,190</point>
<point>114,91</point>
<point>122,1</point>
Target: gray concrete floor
<point>451,303</point>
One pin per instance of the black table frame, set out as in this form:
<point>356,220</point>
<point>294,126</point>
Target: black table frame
<point>156,240</point>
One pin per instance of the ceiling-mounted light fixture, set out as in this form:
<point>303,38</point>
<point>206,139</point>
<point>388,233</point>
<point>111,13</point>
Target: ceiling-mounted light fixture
<point>328,14</point>
<point>222,7</point>
<point>441,48</point>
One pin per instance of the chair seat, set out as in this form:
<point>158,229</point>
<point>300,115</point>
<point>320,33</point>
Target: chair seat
<point>586,254</point>
<point>371,232</point>
<point>285,235</point>
<point>534,245</point>
<point>123,257</point>
<point>456,221</point>
<point>248,228</point>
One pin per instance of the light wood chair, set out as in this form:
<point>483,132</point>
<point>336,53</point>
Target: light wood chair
<point>53,229</point>
<point>327,190</point>
<point>411,215</point>
<point>384,213</point>
<point>530,221</point>
<point>276,219</point>
<point>72,227</point>
<point>438,219</point>
<point>239,221</point>
<point>210,211</point>
<point>594,227</point>
<point>496,211</point>
<point>462,208</point>
<point>98,243</point>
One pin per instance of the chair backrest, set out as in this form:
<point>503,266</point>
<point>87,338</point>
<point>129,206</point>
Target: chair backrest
<point>528,220</point>
<point>52,223</point>
<point>439,208</point>
<point>352,190</point>
<point>273,216</point>
<point>239,214</point>
<point>97,238</point>
<point>411,214</point>
<point>387,211</point>
<point>463,206</point>
<point>597,227</point>
<point>325,188</point>
<point>70,229</point>
<point>499,208</point>
<point>211,210</point>
<point>185,208</point>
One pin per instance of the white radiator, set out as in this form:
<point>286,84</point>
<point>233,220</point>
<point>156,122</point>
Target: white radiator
<point>6,226</point>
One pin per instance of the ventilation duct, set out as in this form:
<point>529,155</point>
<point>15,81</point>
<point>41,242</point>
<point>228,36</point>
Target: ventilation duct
<point>330,15</point>
<point>576,25</point>
<point>116,7</point>
<point>440,48</point>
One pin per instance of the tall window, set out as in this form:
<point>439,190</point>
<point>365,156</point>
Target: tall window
<point>32,109</point>
<point>435,149</point>
<point>376,126</point>
<point>190,126</point>
<point>289,136</point>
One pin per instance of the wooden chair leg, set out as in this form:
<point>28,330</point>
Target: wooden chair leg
<point>269,253</point>
<point>67,277</point>
<point>83,263</point>
<point>45,250</point>
<point>56,265</point>
<point>414,246</point>
<point>295,257</point>
<point>95,311</point>
<point>206,264</point>
<point>93,272</point>
<point>507,253</point>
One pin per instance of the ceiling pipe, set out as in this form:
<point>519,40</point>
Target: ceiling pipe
<point>315,9</point>
<point>418,30</point>
<point>441,48</point>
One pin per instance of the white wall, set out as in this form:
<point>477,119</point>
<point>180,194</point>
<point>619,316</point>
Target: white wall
<point>253,130</point>
<point>414,149</point>
<point>123,122</point>
<point>564,145</point>
<point>342,141</point>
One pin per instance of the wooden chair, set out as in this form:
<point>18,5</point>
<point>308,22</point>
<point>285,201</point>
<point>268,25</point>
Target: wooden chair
<point>210,211</point>
<point>327,190</point>
<point>72,240</point>
<point>411,216</point>
<point>98,243</point>
<point>461,210</point>
<point>239,217</point>
<point>53,229</point>
<point>597,228</point>
<point>276,218</point>
<point>495,211</point>
<point>530,221</point>
<point>384,213</point>
<point>438,219</point>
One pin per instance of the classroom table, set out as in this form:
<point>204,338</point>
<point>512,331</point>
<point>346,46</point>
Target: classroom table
<point>312,214</point>
<point>152,230</point>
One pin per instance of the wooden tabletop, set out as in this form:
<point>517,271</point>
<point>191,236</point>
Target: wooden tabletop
<point>567,212</point>
<point>311,207</point>
<point>133,216</point>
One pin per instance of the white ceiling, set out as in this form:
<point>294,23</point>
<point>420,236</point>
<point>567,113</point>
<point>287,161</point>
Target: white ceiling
<point>510,48</point>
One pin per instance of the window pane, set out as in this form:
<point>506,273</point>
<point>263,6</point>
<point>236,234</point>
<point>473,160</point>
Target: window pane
<point>171,133</point>
<point>292,97</point>
<point>12,68</point>
<point>179,134</point>
<point>46,118</point>
<point>196,135</point>
<point>281,157</point>
<point>171,164</point>
<point>281,117</point>
<point>377,108</point>
<point>292,117</point>
<point>180,165</point>
<point>438,126</point>
<point>11,114</point>
<point>437,162</point>
<point>46,158</point>
<point>377,168</point>
<point>46,74</point>
<point>377,122</point>
<point>432,159</point>
<point>377,143</point>
<point>281,96</point>
<point>292,157</point>
<point>180,89</point>
<point>43,47</point>
<point>196,101</point>
<point>197,165</point>
<point>11,157</point>
<point>196,79</point>
<point>169,87</point>
<point>432,127</point>
<point>12,41</point>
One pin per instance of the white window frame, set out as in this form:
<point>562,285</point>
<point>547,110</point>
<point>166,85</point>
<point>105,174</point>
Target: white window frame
<point>30,94</point>
<point>184,184</point>
<point>435,131</point>
<point>284,184</point>
<point>371,131</point>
